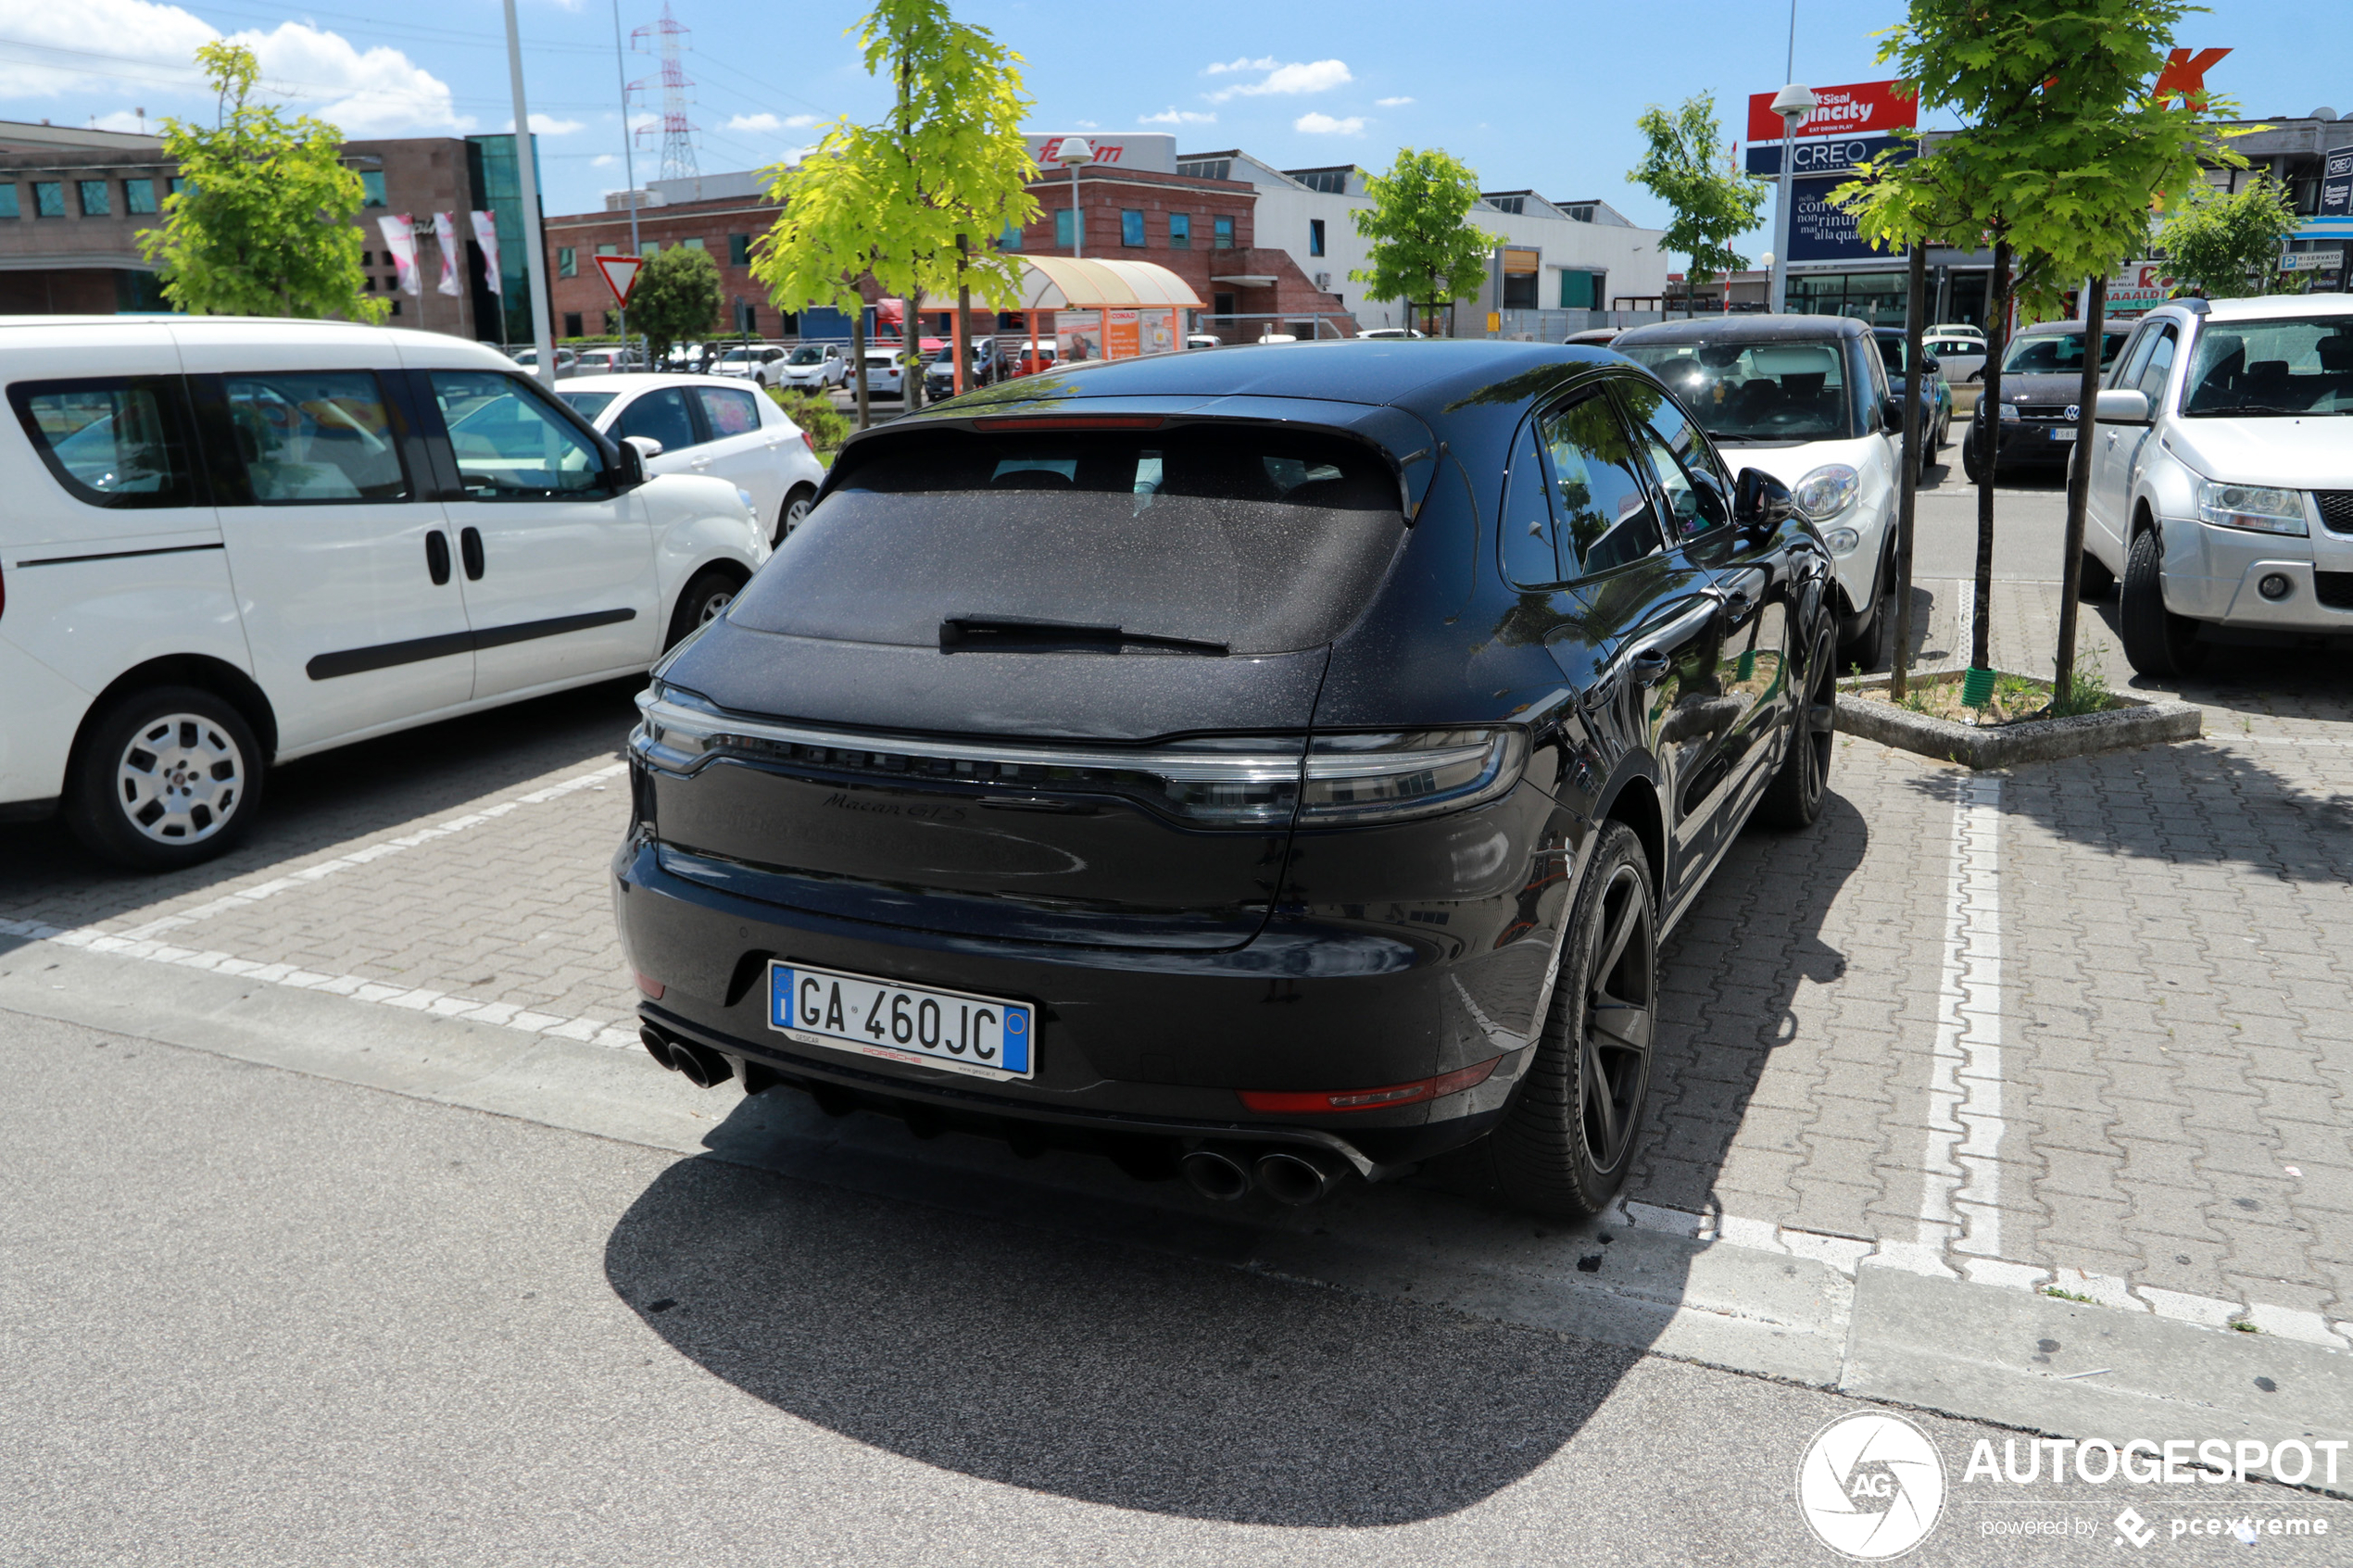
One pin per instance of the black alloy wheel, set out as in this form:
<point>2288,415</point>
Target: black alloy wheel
<point>2157,643</point>
<point>1795,797</point>
<point>1567,1140</point>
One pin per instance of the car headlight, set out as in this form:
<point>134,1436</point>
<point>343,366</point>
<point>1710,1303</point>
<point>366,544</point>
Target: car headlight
<point>2009,414</point>
<point>2254,506</point>
<point>1827,492</point>
<point>1842,541</point>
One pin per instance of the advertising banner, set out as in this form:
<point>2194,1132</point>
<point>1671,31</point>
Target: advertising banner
<point>445,234</point>
<point>1120,335</point>
<point>1872,106</point>
<point>2137,286</point>
<point>1078,334</point>
<point>1820,231</point>
<point>400,240</point>
<point>1827,154</point>
<point>1157,330</point>
<point>486,236</point>
<point>2336,183</point>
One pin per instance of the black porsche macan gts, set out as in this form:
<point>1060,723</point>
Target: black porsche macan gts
<point>1269,764</point>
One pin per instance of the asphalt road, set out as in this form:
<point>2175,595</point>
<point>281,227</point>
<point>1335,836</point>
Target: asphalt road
<point>2029,522</point>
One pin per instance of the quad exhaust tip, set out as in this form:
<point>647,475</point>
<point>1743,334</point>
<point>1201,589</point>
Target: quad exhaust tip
<point>1294,1176</point>
<point>1218,1174</point>
<point>1224,1174</point>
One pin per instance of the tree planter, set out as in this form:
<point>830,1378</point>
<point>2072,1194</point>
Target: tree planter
<point>2139,721</point>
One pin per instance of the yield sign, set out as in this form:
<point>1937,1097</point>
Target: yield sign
<point>621,275</point>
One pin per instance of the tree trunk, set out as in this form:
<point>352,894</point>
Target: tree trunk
<point>857,363</point>
<point>1997,294</point>
<point>2079,489</point>
<point>963,315</point>
<point>1914,437</point>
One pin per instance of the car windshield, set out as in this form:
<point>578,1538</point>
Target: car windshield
<point>805,355</point>
<point>2293,366</point>
<point>588,405</point>
<point>1249,538</point>
<point>2055,354</point>
<point>1779,391</point>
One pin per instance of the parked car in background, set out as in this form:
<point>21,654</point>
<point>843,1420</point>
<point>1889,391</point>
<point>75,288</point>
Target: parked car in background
<point>2042,383</point>
<point>1011,834</point>
<point>711,425</point>
<point>1936,392</point>
<point>760,362</point>
<point>1272,336</point>
<point>1807,399</point>
<point>603,362</point>
<point>566,359</point>
<point>1203,340</point>
<point>1389,332</point>
<point>1594,337</point>
<point>986,368</point>
<point>385,528</point>
<point>886,375</point>
<point>1957,329</point>
<point>1030,358</point>
<point>1962,358</point>
<point>813,367</point>
<point>2221,477</point>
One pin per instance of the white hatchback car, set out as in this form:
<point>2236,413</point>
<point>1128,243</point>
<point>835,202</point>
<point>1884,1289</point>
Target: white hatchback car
<point>2221,477</point>
<point>711,425</point>
<point>813,367</point>
<point>1805,398</point>
<point>230,542</point>
<point>760,362</point>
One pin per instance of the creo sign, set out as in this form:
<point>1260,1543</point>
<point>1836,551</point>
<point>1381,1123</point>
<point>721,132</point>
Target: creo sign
<point>1859,107</point>
<point>1105,152</point>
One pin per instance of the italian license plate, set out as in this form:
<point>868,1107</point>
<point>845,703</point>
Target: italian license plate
<point>2064,432</point>
<point>985,1036</point>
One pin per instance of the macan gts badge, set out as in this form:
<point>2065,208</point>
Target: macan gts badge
<point>1271,766</point>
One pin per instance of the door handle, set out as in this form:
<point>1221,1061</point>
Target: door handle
<point>1648,665</point>
<point>469,547</point>
<point>437,557</point>
<point>1737,605</point>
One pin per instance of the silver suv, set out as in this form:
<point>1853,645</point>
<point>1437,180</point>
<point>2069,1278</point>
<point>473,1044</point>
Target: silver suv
<point>2222,482</point>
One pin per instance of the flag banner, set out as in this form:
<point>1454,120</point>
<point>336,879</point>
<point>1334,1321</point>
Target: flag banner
<point>400,241</point>
<point>445,233</point>
<point>486,236</point>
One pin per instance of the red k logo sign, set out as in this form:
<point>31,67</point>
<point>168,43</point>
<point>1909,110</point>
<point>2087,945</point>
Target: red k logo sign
<point>2185,75</point>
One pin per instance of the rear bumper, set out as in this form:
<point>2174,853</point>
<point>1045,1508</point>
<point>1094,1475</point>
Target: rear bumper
<point>2026,444</point>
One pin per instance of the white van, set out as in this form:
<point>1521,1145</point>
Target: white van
<point>230,542</point>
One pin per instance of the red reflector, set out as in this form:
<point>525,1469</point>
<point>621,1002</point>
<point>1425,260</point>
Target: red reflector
<point>1445,1083</point>
<point>1070,421</point>
<point>649,986</point>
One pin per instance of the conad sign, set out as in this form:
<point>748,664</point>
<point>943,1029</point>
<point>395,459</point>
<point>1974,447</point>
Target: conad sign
<point>1872,107</point>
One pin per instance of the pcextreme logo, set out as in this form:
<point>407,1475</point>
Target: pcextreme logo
<point>1870,1486</point>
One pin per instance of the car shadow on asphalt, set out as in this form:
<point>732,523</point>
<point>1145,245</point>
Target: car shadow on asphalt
<point>334,798</point>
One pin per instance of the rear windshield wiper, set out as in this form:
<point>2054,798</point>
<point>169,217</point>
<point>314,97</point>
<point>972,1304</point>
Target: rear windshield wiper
<point>981,634</point>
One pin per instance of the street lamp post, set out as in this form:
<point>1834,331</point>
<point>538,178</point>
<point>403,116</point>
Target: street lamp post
<point>543,336</point>
<point>1793,103</point>
<point>1072,153</point>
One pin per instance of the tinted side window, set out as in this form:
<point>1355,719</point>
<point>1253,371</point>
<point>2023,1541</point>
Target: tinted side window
<point>1607,516</point>
<point>2160,364</point>
<point>1681,458</point>
<point>727,411</point>
<point>661,415</point>
<point>510,445</point>
<point>111,441</point>
<point>309,438</point>
<point>1526,525</point>
<point>2126,372</point>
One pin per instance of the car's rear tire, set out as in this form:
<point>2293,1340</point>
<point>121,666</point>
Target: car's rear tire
<point>1567,1139</point>
<point>796,507</point>
<point>1969,456</point>
<point>1800,784</point>
<point>2157,643</point>
<point>2093,580</point>
<point>166,777</point>
<point>707,597</point>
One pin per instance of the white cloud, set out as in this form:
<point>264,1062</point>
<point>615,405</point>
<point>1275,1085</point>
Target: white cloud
<point>1086,125</point>
<point>368,92</point>
<point>549,125</point>
<point>1392,103</point>
<point>1317,76</point>
<point>1324,125</point>
<point>1174,116</point>
<point>755,122</point>
<point>603,160</point>
<point>123,120</point>
<point>1267,64</point>
<point>147,42</point>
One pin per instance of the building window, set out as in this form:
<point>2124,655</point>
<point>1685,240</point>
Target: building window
<point>48,199</point>
<point>9,207</point>
<point>138,196</point>
<point>396,307</point>
<point>1066,226</point>
<point>692,245</point>
<point>567,264</point>
<point>367,284</point>
<point>1010,238</point>
<point>96,200</point>
<point>1207,168</point>
<point>367,258</point>
<point>571,323</point>
<point>1221,304</point>
<point>612,322</point>
<point>372,187</point>
<point>1223,235</point>
<point>177,186</point>
<point>746,317</point>
<point>1519,291</point>
<point>1180,231</point>
<point>1314,236</point>
<point>608,250</point>
<point>1131,227</point>
<point>739,250</point>
<point>650,249</point>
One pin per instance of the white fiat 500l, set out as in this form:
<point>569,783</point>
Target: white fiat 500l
<point>1807,399</point>
<point>2222,478</point>
<point>711,425</point>
<point>230,543</point>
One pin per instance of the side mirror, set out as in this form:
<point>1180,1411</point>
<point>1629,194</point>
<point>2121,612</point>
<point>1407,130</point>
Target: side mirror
<point>1931,364</point>
<point>629,468</point>
<point>1761,503</point>
<point>1891,413</point>
<point>2121,405</point>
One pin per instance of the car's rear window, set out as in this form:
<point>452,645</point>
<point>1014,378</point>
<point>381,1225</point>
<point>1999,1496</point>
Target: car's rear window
<point>1250,537</point>
<point>1778,390</point>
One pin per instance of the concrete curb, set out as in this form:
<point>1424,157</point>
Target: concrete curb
<point>2141,721</point>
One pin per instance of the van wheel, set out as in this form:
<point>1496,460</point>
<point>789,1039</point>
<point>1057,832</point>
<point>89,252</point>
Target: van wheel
<point>708,594</point>
<point>1567,1140</point>
<point>167,777</point>
<point>2157,643</point>
<point>797,507</point>
<point>2093,580</point>
<point>1795,797</point>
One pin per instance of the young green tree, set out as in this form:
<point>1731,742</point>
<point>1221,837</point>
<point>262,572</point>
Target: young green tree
<point>898,202</point>
<point>2229,245</point>
<point>2064,145</point>
<point>263,227</point>
<point>678,297</point>
<point>1688,167</point>
<point>1424,251</point>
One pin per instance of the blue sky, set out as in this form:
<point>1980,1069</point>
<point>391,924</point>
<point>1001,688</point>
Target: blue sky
<point>1531,96</point>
